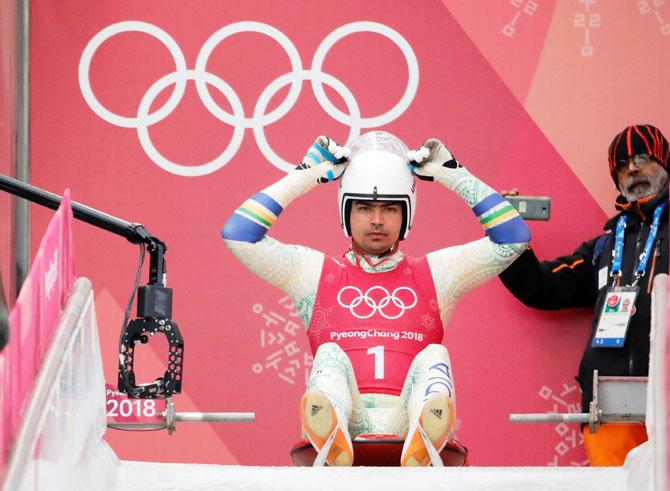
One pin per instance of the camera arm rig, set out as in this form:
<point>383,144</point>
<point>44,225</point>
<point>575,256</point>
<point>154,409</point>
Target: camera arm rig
<point>154,300</point>
<point>154,316</point>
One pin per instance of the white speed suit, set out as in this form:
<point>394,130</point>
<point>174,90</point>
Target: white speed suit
<point>296,270</point>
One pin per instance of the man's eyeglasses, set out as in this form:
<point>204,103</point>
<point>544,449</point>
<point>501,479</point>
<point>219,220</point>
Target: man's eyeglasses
<point>639,159</point>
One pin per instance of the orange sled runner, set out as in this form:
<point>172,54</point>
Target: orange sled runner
<point>375,450</point>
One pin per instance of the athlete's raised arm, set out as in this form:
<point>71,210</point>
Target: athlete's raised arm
<point>293,269</point>
<point>457,269</point>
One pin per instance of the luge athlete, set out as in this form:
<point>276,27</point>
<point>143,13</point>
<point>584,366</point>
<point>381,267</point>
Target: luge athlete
<point>375,317</point>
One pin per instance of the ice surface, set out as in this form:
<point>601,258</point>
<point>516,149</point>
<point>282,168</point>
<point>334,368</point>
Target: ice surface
<point>145,475</point>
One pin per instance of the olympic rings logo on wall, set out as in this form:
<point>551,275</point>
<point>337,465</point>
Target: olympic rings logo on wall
<point>238,120</point>
<point>374,305</point>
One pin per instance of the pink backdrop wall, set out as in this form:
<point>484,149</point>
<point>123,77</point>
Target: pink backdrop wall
<point>527,94</point>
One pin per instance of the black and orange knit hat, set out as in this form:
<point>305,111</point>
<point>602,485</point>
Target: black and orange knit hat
<point>640,138</point>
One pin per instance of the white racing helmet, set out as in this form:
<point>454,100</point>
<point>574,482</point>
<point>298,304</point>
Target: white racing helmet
<point>378,169</point>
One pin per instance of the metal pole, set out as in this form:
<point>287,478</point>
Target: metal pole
<point>134,232</point>
<point>21,219</point>
<point>549,418</point>
<point>215,417</point>
<point>171,417</point>
<point>79,211</point>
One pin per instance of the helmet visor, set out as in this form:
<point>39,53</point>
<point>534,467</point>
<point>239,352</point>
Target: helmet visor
<point>378,140</point>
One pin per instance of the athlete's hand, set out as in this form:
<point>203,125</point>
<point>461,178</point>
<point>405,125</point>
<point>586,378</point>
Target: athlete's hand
<point>431,160</point>
<point>325,158</point>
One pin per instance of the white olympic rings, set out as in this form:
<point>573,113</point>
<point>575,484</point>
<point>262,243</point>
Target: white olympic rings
<point>237,119</point>
<point>375,306</point>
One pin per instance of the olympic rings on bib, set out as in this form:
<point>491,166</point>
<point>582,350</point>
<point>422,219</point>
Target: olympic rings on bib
<point>376,305</point>
<point>259,119</point>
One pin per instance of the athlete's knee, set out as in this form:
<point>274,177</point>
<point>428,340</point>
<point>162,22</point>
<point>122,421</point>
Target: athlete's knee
<point>435,368</point>
<point>329,353</point>
<point>332,369</point>
<point>434,351</point>
<point>329,349</point>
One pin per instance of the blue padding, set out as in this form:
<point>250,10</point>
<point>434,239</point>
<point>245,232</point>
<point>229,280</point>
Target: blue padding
<point>242,229</point>
<point>313,156</point>
<point>268,202</point>
<point>326,154</point>
<point>330,175</point>
<point>513,231</point>
<point>487,203</point>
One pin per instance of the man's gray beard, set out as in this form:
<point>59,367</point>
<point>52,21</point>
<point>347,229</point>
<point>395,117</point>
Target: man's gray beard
<point>651,185</point>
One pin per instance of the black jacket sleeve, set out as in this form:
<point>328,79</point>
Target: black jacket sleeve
<point>4,323</point>
<point>567,281</point>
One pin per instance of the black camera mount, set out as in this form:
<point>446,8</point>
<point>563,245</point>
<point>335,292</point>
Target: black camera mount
<point>154,300</point>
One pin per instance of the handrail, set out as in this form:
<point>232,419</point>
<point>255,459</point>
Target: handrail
<point>37,408</point>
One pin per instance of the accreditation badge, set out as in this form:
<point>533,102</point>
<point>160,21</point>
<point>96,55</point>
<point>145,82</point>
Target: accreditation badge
<point>615,317</point>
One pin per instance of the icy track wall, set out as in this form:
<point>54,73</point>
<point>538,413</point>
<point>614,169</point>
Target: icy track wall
<point>33,319</point>
<point>59,445</point>
<point>647,465</point>
<point>51,377</point>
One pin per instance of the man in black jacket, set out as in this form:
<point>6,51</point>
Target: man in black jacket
<point>594,275</point>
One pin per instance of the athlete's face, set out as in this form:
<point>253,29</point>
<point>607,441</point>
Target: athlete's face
<point>640,176</point>
<point>375,225</point>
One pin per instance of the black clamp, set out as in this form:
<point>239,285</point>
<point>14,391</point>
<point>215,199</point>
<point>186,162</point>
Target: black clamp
<point>154,312</point>
<point>137,331</point>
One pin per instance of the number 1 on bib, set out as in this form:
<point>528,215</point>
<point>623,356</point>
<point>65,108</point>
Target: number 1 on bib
<point>378,351</point>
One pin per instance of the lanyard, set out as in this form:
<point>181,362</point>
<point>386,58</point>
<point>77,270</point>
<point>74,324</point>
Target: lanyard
<point>617,253</point>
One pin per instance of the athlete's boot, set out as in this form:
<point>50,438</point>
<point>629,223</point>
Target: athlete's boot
<point>428,434</point>
<point>325,429</point>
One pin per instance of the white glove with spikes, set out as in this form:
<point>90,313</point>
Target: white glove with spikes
<point>432,161</point>
<point>340,153</point>
<point>326,159</point>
